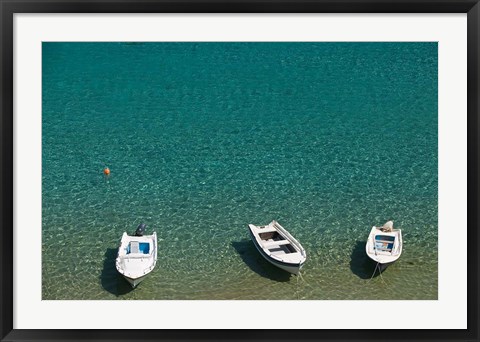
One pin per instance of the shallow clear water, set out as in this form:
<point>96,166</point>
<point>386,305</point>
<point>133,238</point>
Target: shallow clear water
<point>201,139</point>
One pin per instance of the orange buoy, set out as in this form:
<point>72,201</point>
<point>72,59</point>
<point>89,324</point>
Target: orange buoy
<point>106,171</point>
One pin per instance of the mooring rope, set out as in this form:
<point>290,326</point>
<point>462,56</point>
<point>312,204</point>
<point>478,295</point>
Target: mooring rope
<point>299,277</point>
<point>375,270</point>
<point>379,272</point>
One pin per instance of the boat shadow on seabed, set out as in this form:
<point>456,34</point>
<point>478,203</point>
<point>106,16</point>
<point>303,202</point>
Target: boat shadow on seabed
<point>360,263</point>
<point>257,263</point>
<point>111,280</point>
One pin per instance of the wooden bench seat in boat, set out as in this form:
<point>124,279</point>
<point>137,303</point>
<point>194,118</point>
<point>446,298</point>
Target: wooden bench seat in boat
<point>276,243</point>
<point>384,241</point>
<point>134,247</point>
<point>266,230</point>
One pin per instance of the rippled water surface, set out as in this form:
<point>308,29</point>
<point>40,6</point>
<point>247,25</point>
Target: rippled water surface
<point>204,138</point>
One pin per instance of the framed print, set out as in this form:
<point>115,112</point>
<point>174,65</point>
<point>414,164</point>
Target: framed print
<point>246,170</point>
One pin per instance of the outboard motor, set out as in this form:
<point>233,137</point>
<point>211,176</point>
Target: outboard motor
<point>140,229</point>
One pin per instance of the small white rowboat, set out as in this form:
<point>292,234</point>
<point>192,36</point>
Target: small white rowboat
<point>384,245</point>
<point>278,247</point>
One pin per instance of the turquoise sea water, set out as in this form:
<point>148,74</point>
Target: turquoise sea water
<point>202,139</point>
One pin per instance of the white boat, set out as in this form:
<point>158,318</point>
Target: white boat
<point>137,255</point>
<point>278,247</point>
<point>384,245</point>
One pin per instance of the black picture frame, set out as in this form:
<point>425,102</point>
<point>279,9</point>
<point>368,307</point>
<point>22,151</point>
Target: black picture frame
<point>9,7</point>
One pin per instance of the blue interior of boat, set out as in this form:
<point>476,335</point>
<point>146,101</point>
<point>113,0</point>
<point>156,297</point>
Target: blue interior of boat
<point>380,245</point>
<point>384,242</point>
<point>143,247</point>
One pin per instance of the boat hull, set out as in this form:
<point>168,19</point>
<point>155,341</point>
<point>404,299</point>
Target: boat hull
<point>293,268</point>
<point>134,282</point>
<point>382,267</point>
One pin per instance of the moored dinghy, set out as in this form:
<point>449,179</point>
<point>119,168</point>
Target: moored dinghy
<point>278,246</point>
<point>137,255</point>
<point>384,245</point>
